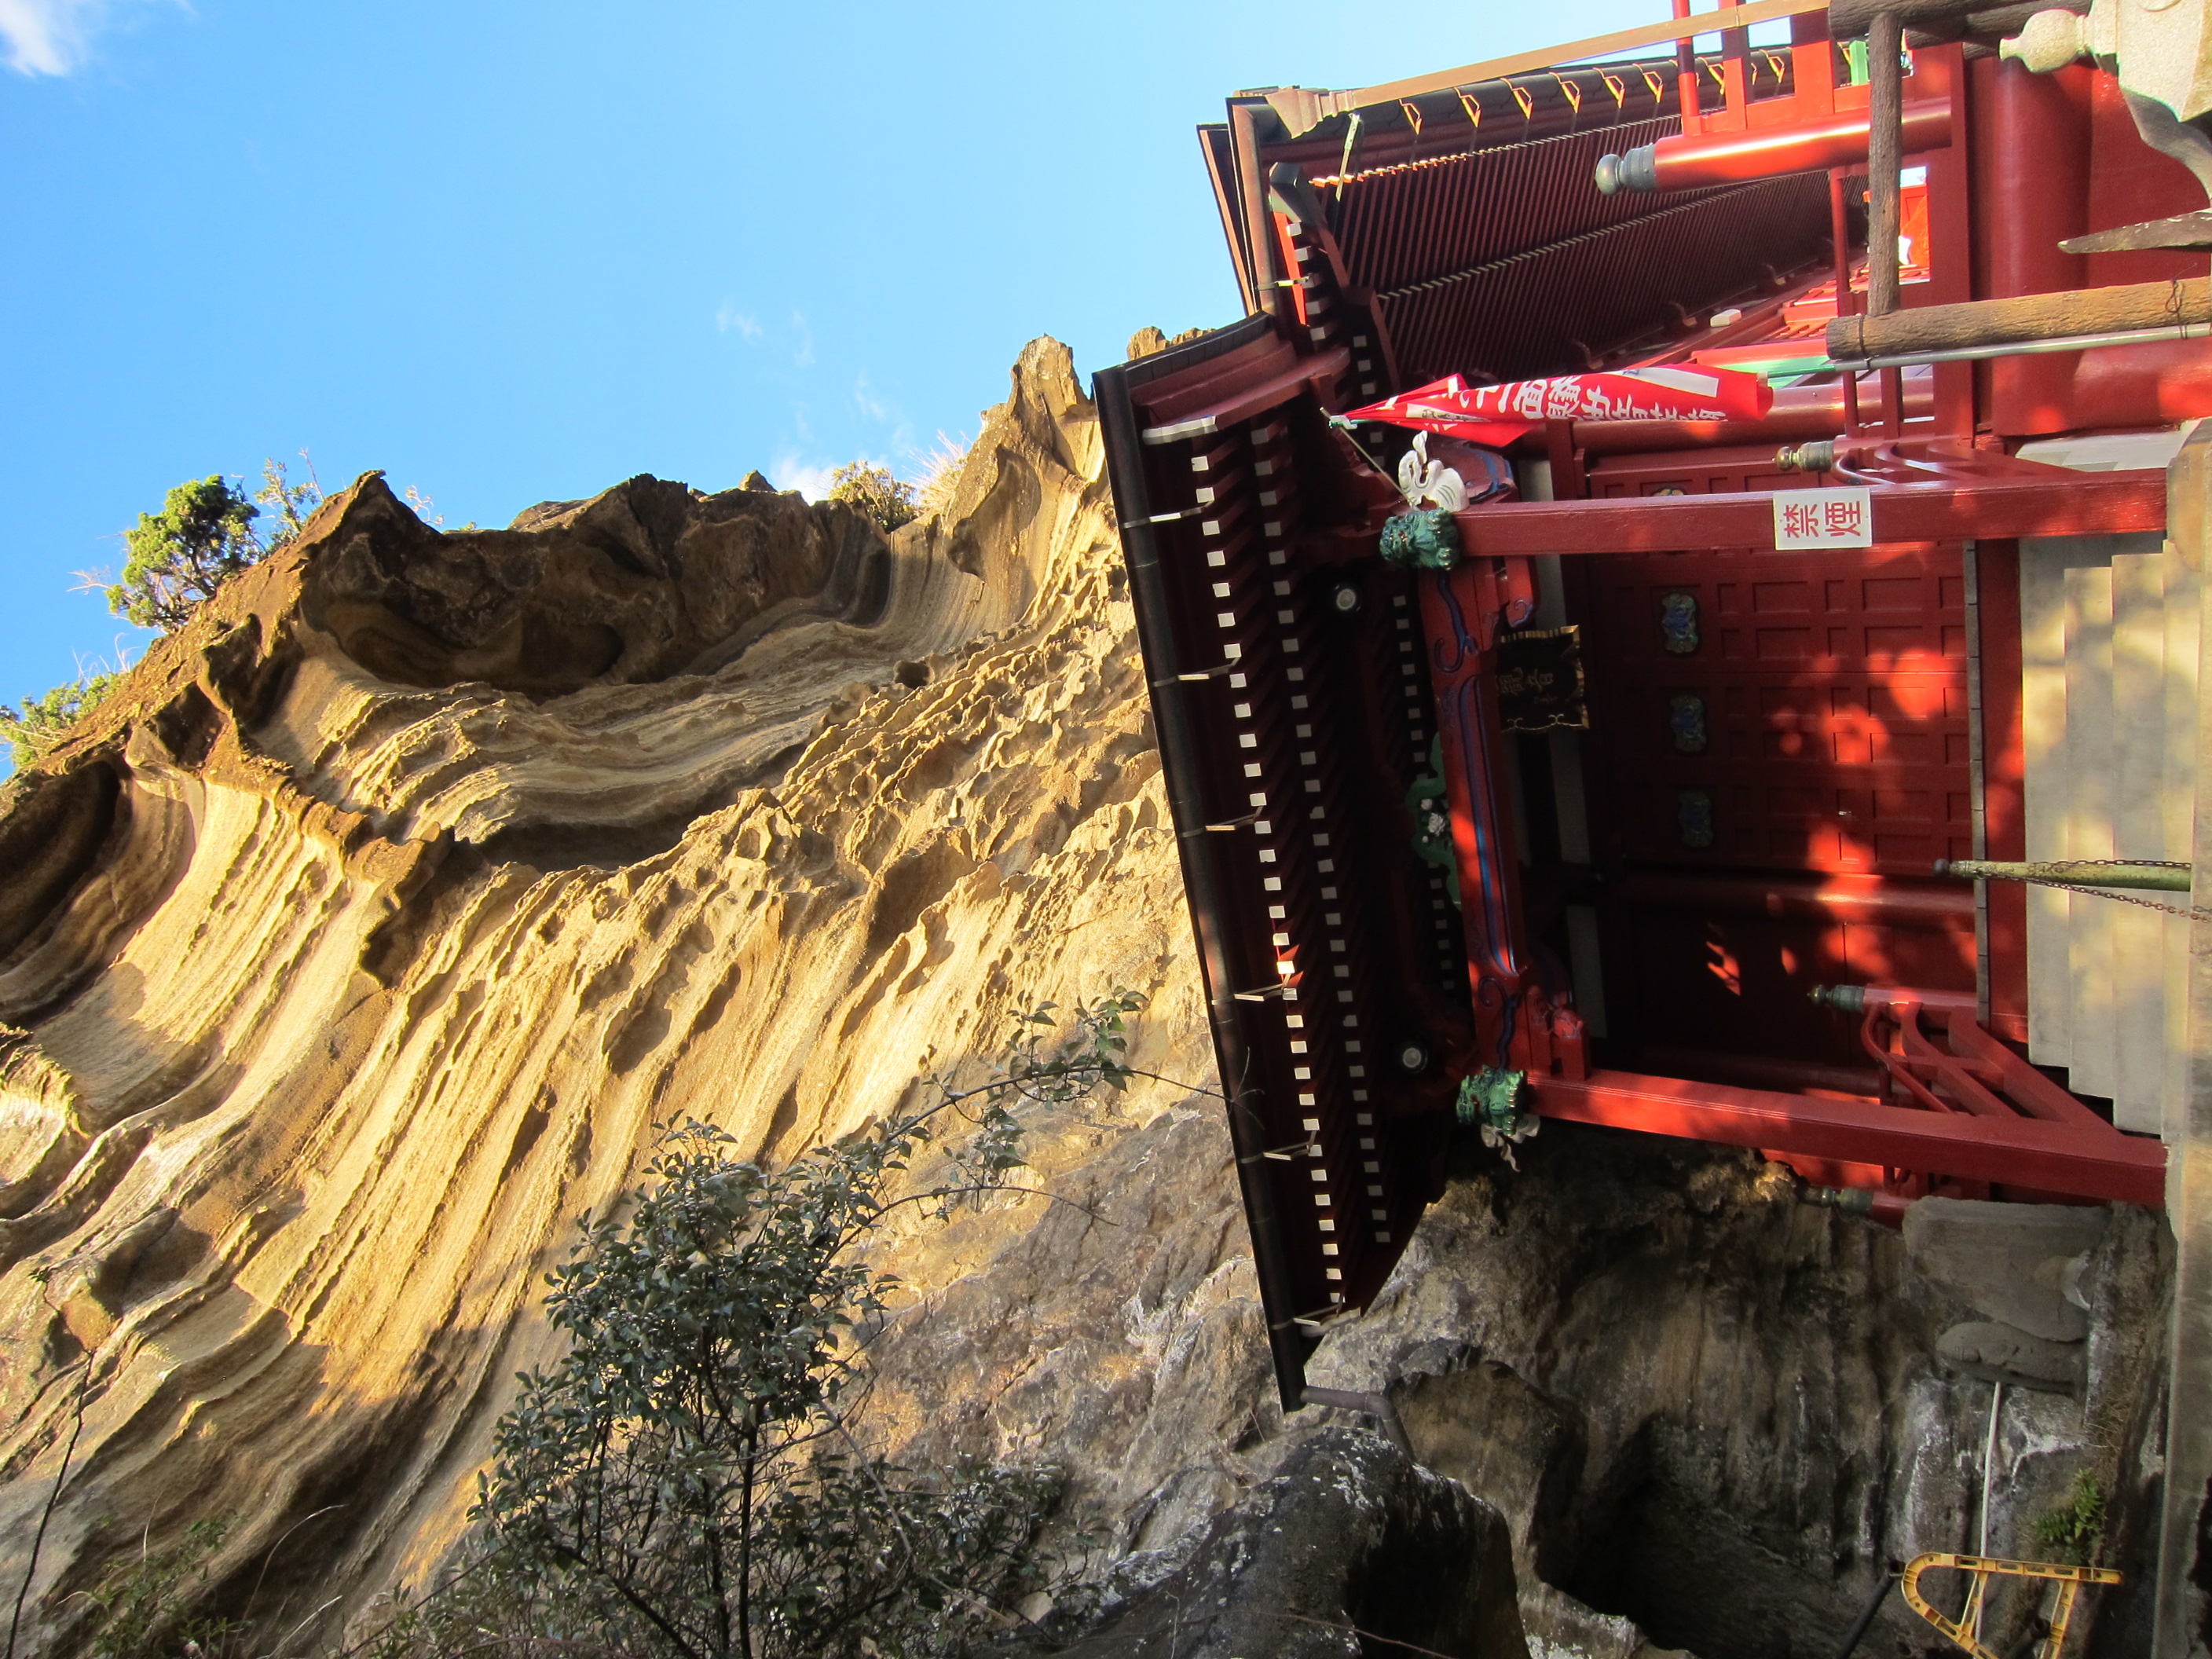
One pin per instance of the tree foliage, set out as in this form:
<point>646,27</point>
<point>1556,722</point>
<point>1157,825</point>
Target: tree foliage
<point>874,492</point>
<point>34,730</point>
<point>144,1605</point>
<point>204,535</point>
<point>686,1480</point>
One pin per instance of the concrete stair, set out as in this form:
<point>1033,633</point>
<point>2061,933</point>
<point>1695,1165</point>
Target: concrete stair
<point>2109,648</point>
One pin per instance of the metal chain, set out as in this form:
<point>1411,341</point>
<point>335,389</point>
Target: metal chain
<point>2192,913</point>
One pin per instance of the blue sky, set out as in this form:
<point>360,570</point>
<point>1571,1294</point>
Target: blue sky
<point>510,253</point>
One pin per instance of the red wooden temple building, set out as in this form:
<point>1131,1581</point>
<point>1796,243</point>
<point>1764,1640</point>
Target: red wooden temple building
<point>1626,810</point>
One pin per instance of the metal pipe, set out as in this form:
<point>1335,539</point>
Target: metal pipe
<point>1884,1209</point>
<point>1807,458</point>
<point>1977,802</point>
<point>2025,347</point>
<point>1857,998</point>
<point>1857,1632</point>
<point>1179,750</point>
<point>2072,872</point>
<point>1687,162</point>
<point>1378,1405</point>
<point>1885,128</point>
<point>1813,898</point>
<point>1989,1472</point>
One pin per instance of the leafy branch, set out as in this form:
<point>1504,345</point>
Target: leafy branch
<point>685,1481</point>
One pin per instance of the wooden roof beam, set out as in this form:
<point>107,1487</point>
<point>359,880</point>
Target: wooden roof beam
<point>1302,109</point>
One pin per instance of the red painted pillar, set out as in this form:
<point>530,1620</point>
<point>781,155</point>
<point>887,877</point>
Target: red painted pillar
<point>1941,71</point>
<point>2004,776</point>
<point>2031,154</point>
<point>1459,620</point>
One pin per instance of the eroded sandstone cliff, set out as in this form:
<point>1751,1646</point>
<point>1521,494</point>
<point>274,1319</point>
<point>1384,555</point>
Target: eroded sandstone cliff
<point>353,950</point>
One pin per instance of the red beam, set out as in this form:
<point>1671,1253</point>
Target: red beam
<point>2052,1157</point>
<point>2065,504</point>
<point>1880,900</point>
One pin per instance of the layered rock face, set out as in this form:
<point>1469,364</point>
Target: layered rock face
<point>1712,1413</point>
<point>1349,1545</point>
<point>353,950</point>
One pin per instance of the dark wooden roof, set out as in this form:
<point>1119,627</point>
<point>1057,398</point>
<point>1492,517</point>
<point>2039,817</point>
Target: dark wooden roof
<point>1293,727</point>
<point>1481,248</point>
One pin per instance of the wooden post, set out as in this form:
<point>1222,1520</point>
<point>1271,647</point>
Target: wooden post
<point>1885,120</point>
<point>2181,1603</point>
<point>1839,230</point>
<point>2127,308</point>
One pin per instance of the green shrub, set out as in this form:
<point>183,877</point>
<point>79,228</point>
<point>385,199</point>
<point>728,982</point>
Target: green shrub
<point>32,731</point>
<point>2073,1530</point>
<point>685,1482</point>
<point>143,1606</point>
<point>872,491</point>
<point>204,535</point>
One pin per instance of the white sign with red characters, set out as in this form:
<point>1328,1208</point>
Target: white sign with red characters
<point>1823,517</point>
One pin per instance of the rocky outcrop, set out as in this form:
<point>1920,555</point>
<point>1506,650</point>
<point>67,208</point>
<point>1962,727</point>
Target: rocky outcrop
<point>1711,1412</point>
<point>1351,1548</point>
<point>360,940</point>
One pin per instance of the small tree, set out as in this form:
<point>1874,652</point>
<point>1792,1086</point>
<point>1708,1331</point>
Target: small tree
<point>204,535</point>
<point>32,731</point>
<point>685,1478</point>
<point>290,504</point>
<point>873,491</point>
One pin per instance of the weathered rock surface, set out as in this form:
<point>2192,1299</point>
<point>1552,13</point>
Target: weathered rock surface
<point>353,950</point>
<point>1351,1540</point>
<point>1713,1411</point>
<point>2008,1261</point>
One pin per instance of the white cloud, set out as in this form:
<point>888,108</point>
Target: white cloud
<point>726,319</point>
<point>865,400</point>
<point>802,358</point>
<point>49,37</point>
<point>810,479</point>
<point>53,37</point>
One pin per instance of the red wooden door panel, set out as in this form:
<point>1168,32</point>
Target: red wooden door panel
<point>1801,711</point>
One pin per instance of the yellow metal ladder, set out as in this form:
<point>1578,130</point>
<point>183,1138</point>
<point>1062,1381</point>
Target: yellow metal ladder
<point>1965,1629</point>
